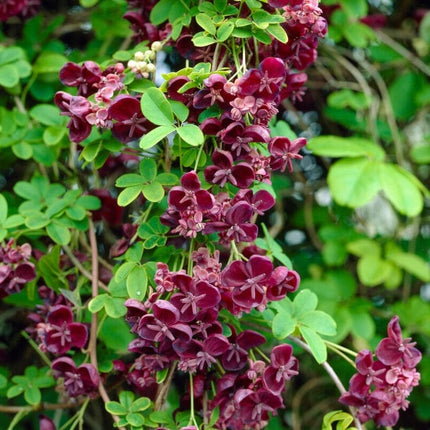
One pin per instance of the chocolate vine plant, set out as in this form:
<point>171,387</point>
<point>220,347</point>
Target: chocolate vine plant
<point>141,242</point>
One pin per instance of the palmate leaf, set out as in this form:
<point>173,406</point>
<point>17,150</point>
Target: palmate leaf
<point>156,108</point>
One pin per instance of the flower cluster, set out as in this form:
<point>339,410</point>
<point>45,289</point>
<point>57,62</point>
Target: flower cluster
<point>22,8</point>
<point>15,268</point>
<point>380,387</point>
<point>180,321</point>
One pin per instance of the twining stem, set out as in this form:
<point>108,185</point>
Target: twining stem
<point>332,374</point>
<point>94,317</point>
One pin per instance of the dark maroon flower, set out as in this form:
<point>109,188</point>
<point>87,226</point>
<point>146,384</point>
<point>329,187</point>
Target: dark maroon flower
<point>77,108</point>
<point>282,151</point>
<point>235,358</point>
<point>212,93</point>
<point>394,348</point>
<point>190,194</point>
<point>248,280</point>
<point>261,201</point>
<point>163,323</point>
<point>199,355</point>
<point>10,8</point>
<point>193,296</point>
<point>237,225</point>
<point>59,334</point>
<point>254,406</point>
<point>84,77</point>
<point>283,366</point>
<point>241,175</point>
<point>142,30</point>
<point>282,281</point>
<point>130,123</point>
<point>82,380</point>
<point>237,137</point>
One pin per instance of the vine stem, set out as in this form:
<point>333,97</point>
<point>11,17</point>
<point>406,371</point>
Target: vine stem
<point>333,375</point>
<point>94,317</point>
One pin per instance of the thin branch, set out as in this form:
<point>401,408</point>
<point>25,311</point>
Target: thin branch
<point>408,55</point>
<point>94,317</point>
<point>332,374</point>
<point>82,269</point>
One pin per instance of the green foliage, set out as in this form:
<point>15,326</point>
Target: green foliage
<point>342,420</point>
<point>301,315</point>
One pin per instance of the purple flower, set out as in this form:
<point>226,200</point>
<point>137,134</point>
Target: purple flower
<point>236,225</point>
<point>163,323</point>
<point>394,348</point>
<point>254,406</point>
<point>282,281</point>
<point>213,92</point>
<point>190,194</point>
<point>282,151</point>
<point>82,380</point>
<point>59,334</point>
<point>261,201</point>
<point>283,366</point>
<point>77,108</point>
<point>84,77</point>
<point>236,137</point>
<point>235,358</point>
<point>193,296</point>
<point>241,175</point>
<point>248,281</point>
<point>131,124</point>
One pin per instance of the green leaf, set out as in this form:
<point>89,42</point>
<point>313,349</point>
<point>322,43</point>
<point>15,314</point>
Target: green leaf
<point>53,135</point>
<point>14,221</point>
<point>115,307</point>
<point>14,391</point>
<point>140,404</point>
<point>179,110</point>
<point>90,203</point>
<point>343,420</point>
<point>160,12</point>
<point>124,270</point>
<point>76,213</point>
<point>156,108</point>
<point>363,247</point>
<point>191,134</point>
<point>116,408</point>
<point>283,325</point>
<point>129,195</point>
<point>200,40</point>
<point>412,264</point>
<point>403,92</point>
<point>224,31</point>
<point>400,190</point>
<point>319,321</point>
<point>154,192</point>
<point>137,283</point>
<point>372,270</point>
<point>49,62</point>
<point>36,219</point>
<point>58,232</point>
<point>3,209</point>
<point>97,303</point>
<point>11,54</point>
<point>88,3</point>
<point>421,153</point>
<point>166,178</point>
<point>148,169</point>
<point>32,395</point>
<point>129,180</point>
<point>305,301</point>
<point>354,181</point>
<point>334,146</point>
<point>9,76</point>
<point>315,343</point>
<point>23,150</point>
<point>355,8</point>
<point>46,114</point>
<point>358,35</point>
<point>154,136</point>
<point>278,32</point>
<point>135,420</point>
<point>206,23</point>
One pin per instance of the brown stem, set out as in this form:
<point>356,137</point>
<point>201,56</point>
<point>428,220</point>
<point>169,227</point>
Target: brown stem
<point>81,268</point>
<point>332,374</point>
<point>94,317</point>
